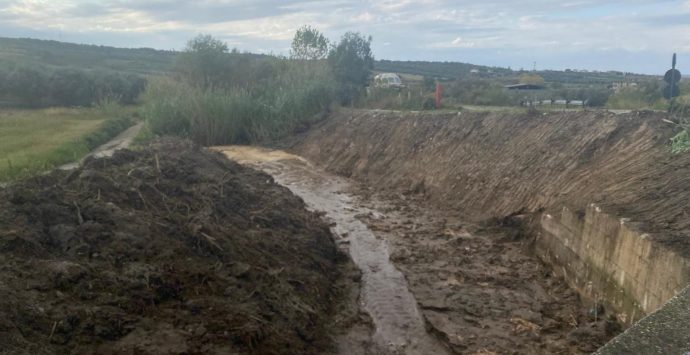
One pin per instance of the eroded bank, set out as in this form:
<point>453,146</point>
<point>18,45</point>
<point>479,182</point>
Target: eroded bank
<point>432,281</point>
<point>610,200</point>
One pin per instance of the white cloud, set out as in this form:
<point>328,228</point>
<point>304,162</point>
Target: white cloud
<point>401,28</point>
<point>460,43</point>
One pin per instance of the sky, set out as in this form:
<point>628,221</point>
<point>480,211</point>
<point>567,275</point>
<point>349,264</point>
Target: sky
<point>632,35</point>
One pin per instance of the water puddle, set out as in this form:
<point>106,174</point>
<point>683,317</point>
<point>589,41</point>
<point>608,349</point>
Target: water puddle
<point>384,294</point>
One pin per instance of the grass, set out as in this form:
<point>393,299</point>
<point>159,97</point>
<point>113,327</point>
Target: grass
<point>287,101</point>
<point>32,141</point>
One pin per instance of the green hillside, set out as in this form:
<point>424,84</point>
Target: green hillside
<point>61,54</point>
<point>456,70</point>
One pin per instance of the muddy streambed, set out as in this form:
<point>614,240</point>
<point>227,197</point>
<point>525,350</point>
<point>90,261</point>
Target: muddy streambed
<point>433,283</point>
<point>399,326</point>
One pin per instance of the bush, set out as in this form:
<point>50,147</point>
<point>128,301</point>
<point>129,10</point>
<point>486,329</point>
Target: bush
<point>681,142</point>
<point>267,109</point>
<point>680,110</point>
<point>38,86</point>
<point>481,92</point>
<point>646,95</point>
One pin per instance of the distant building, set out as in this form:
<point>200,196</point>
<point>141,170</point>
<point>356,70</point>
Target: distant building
<point>474,71</point>
<point>618,86</point>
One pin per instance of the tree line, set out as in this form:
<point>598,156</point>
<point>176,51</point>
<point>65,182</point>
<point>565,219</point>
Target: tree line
<point>40,86</point>
<point>207,62</point>
<point>220,96</point>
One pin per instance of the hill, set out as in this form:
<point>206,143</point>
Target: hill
<point>153,61</point>
<point>62,54</point>
<point>455,70</point>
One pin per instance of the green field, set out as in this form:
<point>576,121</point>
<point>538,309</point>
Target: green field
<point>38,140</point>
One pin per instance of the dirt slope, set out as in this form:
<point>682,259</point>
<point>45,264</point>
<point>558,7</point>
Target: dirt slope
<point>167,250</point>
<point>474,286</point>
<point>495,164</point>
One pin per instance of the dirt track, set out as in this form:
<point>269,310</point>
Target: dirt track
<point>121,141</point>
<point>474,288</point>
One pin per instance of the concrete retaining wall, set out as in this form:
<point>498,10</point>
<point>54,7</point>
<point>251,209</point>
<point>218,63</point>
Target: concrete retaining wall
<point>609,261</point>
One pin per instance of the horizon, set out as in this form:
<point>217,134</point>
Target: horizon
<point>637,37</point>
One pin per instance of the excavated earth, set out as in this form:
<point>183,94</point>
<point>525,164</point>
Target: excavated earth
<point>167,250</point>
<point>176,249</point>
<point>492,164</point>
<point>464,288</point>
<point>458,197</point>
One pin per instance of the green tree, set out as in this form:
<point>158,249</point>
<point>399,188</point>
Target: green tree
<point>531,79</point>
<point>351,61</point>
<point>309,44</point>
<point>29,85</point>
<point>204,62</point>
<point>597,97</point>
<point>72,87</point>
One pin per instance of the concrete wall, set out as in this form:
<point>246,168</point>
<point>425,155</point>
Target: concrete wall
<point>663,332</point>
<point>608,261</point>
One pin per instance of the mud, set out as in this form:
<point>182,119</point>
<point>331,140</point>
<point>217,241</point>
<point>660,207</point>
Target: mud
<point>480,288</point>
<point>171,249</point>
<point>399,326</point>
<point>475,289</point>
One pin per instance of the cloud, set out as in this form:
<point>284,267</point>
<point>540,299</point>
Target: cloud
<point>682,19</point>
<point>402,29</point>
<point>460,43</point>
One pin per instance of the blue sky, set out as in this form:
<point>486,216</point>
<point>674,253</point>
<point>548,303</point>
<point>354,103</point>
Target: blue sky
<point>632,35</point>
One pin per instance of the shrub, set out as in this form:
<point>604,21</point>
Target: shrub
<point>266,109</point>
<point>38,86</point>
<point>680,142</point>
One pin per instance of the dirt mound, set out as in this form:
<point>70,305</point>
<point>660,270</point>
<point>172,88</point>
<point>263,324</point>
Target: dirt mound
<point>494,164</point>
<point>171,249</point>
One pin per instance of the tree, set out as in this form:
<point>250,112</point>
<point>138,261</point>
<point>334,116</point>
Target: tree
<point>351,61</point>
<point>28,84</point>
<point>309,44</point>
<point>204,61</point>
<point>531,79</point>
<point>72,87</point>
<point>597,97</point>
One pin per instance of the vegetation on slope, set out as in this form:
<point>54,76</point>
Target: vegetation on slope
<point>220,97</point>
<point>61,54</point>
<point>24,85</point>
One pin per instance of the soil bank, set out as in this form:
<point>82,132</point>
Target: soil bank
<point>496,164</point>
<point>476,288</point>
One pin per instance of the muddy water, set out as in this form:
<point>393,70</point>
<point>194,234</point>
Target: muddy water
<point>385,296</point>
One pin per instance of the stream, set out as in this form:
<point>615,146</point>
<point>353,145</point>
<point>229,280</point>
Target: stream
<point>399,326</point>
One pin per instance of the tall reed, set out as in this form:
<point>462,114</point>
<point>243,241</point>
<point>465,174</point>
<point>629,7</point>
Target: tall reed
<point>264,109</point>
